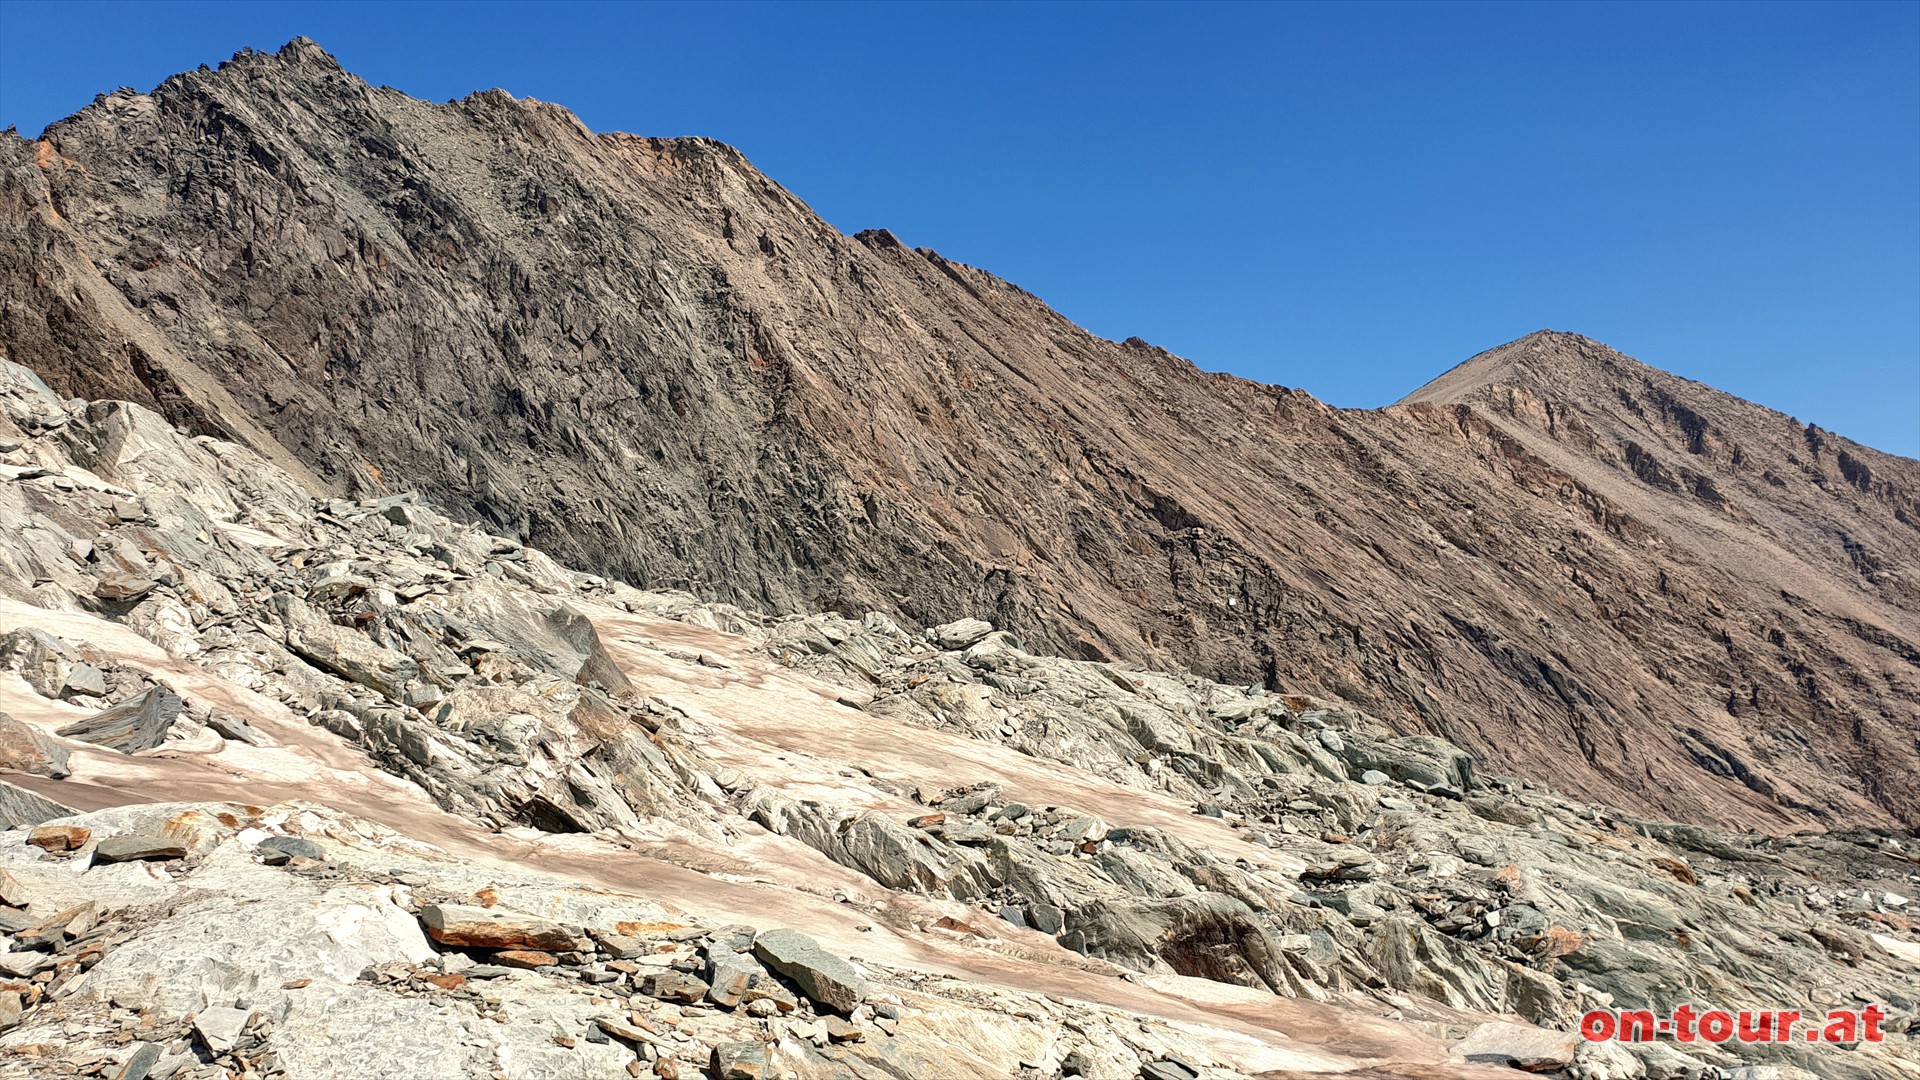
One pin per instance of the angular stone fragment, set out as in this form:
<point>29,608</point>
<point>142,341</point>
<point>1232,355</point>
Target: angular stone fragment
<point>739,1061</point>
<point>676,986</point>
<point>618,946</point>
<point>1168,1069</point>
<point>527,959</point>
<point>489,928</point>
<point>130,848</point>
<point>139,723</point>
<point>827,980</point>
<point>219,1027</point>
<point>959,635</point>
<point>139,1064</point>
<point>347,653</point>
<point>62,925</point>
<point>42,659</point>
<point>60,837</point>
<point>278,850</point>
<point>25,963</point>
<point>12,892</point>
<point>121,586</point>
<point>84,679</point>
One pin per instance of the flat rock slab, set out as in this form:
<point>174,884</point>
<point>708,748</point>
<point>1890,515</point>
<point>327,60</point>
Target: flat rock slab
<point>129,848</point>
<point>219,1027</point>
<point>1518,1045</point>
<point>827,980</point>
<point>675,986</point>
<point>486,928</point>
<point>279,850</point>
<point>525,959</point>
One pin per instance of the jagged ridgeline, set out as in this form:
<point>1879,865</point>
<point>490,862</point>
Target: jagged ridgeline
<point>649,359</point>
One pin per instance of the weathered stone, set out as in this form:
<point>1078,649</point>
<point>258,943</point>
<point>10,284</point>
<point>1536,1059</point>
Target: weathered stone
<point>13,892</point>
<point>219,1027</point>
<point>139,723</point>
<point>1047,918</point>
<point>25,749</point>
<point>730,975</point>
<point>60,837</point>
<point>24,964</point>
<point>115,849</point>
<point>279,850</point>
<point>1168,1069</point>
<point>1530,1048</point>
<point>1496,809</point>
<point>121,586</point>
<point>489,928</point>
<point>618,946</point>
<point>84,679</point>
<point>525,959</point>
<point>11,1009</point>
<point>139,1064</point>
<point>344,652</point>
<point>959,635</point>
<point>676,986</point>
<point>740,1061</point>
<point>42,659</point>
<point>841,1031</point>
<point>827,980</point>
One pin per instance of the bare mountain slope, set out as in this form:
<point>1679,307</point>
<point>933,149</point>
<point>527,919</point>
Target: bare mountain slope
<point>648,358</point>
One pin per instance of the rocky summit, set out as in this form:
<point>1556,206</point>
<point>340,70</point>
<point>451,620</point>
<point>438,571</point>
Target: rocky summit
<point>482,598</point>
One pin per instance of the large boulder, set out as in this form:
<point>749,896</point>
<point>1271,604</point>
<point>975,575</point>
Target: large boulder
<point>828,981</point>
<point>139,723</point>
<point>347,653</point>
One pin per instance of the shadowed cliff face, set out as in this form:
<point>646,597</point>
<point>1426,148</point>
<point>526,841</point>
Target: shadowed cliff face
<point>646,357</point>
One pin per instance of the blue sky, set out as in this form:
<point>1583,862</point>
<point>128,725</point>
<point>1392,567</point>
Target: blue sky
<point>1345,198</point>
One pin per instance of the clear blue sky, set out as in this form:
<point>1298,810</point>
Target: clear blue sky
<point>1347,198</point>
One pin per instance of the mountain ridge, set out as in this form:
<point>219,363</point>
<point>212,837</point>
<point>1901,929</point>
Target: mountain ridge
<point>649,358</point>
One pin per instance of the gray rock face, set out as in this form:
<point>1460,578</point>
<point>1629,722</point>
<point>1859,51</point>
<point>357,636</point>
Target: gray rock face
<point>138,724</point>
<point>647,358</point>
<point>827,980</point>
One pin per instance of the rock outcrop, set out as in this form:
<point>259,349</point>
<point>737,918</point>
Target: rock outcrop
<point>423,794</point>
<point>649,360</point>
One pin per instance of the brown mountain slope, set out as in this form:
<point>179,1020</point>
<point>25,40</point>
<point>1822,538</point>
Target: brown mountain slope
<point>647,357</point>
